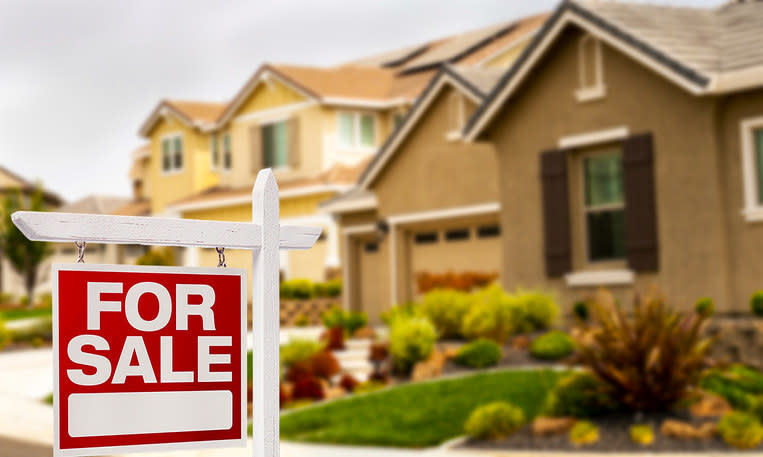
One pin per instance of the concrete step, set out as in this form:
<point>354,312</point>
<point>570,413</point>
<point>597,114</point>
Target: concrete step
<point>357,344</point>
<point>351,354</point>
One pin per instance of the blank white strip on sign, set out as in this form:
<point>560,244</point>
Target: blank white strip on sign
<point>132,413</point>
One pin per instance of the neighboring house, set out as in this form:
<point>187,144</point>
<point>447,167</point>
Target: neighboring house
<point>428,202</point>
<point>629,141</point>
<point>10,280</point>
<point>316,127</point>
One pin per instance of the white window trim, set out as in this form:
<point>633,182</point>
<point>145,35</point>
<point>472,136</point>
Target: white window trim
<point>595,209</point>
<point>753,210</point>
<point>280,168</point>
<point>621,277</point>
<point>594,138</point>
<point>356,116</point>
<point>597,90</point>
<point>171,137</point>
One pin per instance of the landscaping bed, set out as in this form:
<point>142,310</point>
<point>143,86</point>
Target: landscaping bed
<point>614,436</point>
<point>415,415</point>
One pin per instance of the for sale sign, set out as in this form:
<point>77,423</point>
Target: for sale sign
<point>147,358</point>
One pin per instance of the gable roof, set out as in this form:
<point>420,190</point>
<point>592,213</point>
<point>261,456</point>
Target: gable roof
<point>473,82</point>
<point>704,51</point>
<point>16,182</point>
<point>194,114</point>
<point>95,204</point>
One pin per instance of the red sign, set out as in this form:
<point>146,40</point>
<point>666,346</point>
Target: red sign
<point>148,358</point>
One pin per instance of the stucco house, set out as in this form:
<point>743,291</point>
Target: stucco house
<point>629,150</point>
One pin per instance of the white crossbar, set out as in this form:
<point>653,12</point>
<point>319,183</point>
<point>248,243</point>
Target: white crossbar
<point>159,231</point>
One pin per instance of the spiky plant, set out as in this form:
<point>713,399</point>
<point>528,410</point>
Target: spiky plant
<point>650,360</point>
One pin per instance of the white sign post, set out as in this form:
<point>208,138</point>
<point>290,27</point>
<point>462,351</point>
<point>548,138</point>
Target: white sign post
<point>264,237</point>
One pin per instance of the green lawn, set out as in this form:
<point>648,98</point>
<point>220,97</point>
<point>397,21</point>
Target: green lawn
<point>416,415</point>
<point>23,313</point>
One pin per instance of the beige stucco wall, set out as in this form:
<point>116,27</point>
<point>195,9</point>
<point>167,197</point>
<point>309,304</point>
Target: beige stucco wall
<point>692,236</point>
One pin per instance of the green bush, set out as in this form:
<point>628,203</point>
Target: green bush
<point>446,309</point>
<point>410,341</point>
<point>584,432</point>
<point>579,395</point>
<point>24,300</point>
<point>741,386</point>
<point>580,310</point>
<point>404,311</point>
<point>7,298</point>
<point>350,321</point>
<point>642,434</point>
<point>5,335</point>
<point>540,310</point>
<point>740,429</point>
<point>493,314</point>
<point>45,299</point>
<point>298,350</point>
<point>553,345</point>
<point>705,306</point>
<point>297,289</point>
<point>37,332</point>
<point>332,318</point>
<point>494,421</point>
<point>157,256</point>
<point>333,288</point>
<point>479,354</point>
<point>756,303</point>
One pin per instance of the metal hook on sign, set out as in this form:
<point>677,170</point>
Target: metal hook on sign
<point>80,251</point>
<point>221,257</point>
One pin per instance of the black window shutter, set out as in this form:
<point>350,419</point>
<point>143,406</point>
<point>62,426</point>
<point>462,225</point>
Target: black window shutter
<point>641,241</point>
<point>556,212</point>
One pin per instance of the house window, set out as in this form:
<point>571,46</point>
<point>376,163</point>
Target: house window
<point>590,70</point>
<point>752,168</point>
<point>172,153</point>
<point>274,145</point>
<point>425,238</point>
<point>227,153</point>
<point>457,235</point>
<point>214,151</point>
<point>356,130</point>
<point>371,247</point>
<point>489,231</point>
<point>604,206</point>
<point>456,116</point>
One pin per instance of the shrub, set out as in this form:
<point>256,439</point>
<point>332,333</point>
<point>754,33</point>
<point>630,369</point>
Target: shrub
<point>740,429</point>
<point>333,288</point>
<point>301,320</point>
<point>309,387</point>
<point>642,434</point>
<point>298,350</point>
<point>741,386</point>
<point>540,310</point>
<point>494,421</point>
<point>553,345</point>
<point>7,298</point>
<point>405,311</point>
<point>580,310</point>
<point>324,364</point>
<point>379,351</point>
<point>45,299</point>
<point>583,433</point>
<point>334,338</point>
<point>35,333</point>
<point>756,303</point>
<point>24,300</point>
<point>705,307</point>
<point>465,282</point>
<point>5,335</point>
<point>354,321</point>
<point>493,314</point>
<point>348,382</point>
<point>580,395</point>
<point>157,256</point>
<point>650,361</point>
<point>283,395</point>
<point>411,341</point>
<point>332,318</point>
<point>299,370</point>
<point>446,309</point>
<point>479,354</point>
<point>296,289</point>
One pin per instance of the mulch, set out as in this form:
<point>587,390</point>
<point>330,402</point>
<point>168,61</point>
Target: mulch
<point>613,437</point>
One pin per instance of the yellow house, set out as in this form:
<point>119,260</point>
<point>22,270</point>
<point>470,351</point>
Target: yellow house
<point>316,127</point>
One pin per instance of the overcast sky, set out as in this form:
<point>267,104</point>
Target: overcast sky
<point>78,77</point>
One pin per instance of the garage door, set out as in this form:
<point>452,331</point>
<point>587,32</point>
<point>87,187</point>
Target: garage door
<point>458,249</point>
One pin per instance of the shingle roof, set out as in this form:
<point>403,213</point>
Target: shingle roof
<point>95,204</point>
<point>483,79</point>
<point>342,82</point>
<point>206,112</point>
<point>140,207</point>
